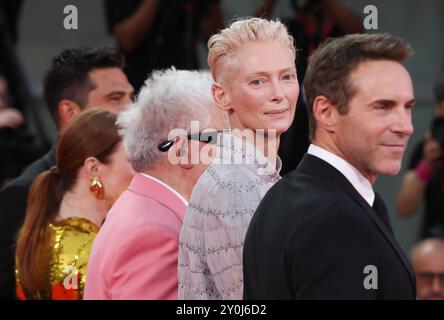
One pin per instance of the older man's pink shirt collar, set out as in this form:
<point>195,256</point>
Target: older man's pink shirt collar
<point>150,188</point>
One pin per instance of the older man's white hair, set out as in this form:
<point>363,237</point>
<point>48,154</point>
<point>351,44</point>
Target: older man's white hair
<point>170,99</point>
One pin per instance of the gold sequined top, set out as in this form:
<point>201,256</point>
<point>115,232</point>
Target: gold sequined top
<point>71,243</point>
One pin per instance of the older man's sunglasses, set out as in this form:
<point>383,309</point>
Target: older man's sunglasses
<point>206,137</point>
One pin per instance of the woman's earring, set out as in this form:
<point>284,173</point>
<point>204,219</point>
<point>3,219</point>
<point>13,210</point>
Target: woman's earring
<point>97,188</point>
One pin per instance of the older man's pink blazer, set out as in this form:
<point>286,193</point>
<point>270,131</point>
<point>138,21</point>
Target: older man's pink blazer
<point>134,256</point>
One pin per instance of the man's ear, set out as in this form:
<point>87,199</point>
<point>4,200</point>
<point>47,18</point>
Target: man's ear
<point>92,166</point>
<point>325,113</point>
<point>68,109</point>
<point>221,97</point>
<point>181,152</point>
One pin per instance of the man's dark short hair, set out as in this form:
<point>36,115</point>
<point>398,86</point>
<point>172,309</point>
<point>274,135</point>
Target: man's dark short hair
<point>330,66</point>
<point>68,76</point>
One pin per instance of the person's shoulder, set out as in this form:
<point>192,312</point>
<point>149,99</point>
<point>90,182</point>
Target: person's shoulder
<point>223,191</point>
<point>219,179</point>
<point>301,197</point>
<point>75,227</point>
<point>25,179</point>
<point>74,237</point>
<point>43,163</point>
<point>299,186</point>
<point>15,187</point>
<point>18,188</point>
<point>13,197</point>
<point>335,218</point>
<point>145,207</point>
<point>135,213</point>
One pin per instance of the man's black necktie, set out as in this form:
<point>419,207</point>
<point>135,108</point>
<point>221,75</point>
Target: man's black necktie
<point>381,210</point>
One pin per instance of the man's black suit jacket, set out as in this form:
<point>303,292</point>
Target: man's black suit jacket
<point>13,200</point>
<point>312,237</point>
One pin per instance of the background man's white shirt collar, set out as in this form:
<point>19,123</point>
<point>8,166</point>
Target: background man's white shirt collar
<point>359,182</point>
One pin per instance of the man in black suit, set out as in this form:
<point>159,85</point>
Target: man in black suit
<point>321,232</point>
<point>78,79</point>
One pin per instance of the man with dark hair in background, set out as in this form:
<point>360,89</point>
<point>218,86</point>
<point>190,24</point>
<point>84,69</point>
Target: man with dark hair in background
<point>77,79</point>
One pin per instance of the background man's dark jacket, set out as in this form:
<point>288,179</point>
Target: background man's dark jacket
<point>13,200</point>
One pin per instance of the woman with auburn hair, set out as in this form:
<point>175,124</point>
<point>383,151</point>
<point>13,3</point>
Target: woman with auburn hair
<point>67,205</point>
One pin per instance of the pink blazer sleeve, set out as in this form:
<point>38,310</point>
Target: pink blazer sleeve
<point>145,265</point>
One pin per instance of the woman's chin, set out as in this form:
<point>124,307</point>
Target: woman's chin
<point>279,126</point>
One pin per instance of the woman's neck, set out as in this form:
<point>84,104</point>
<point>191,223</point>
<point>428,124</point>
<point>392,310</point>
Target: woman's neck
<point>268,145</point>
<point>82,204</point>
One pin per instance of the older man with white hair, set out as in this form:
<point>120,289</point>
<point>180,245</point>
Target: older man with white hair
<point>135,253</point>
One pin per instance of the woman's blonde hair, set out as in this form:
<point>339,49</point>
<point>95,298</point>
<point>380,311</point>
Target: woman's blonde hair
<point>223,46</point>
